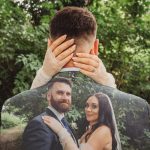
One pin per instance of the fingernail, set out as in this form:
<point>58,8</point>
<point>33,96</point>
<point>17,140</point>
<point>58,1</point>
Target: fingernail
<point>74,46</point>
<point>64,36</point>
<point>74,58</point>
<point>78,54</point>
<point>72,40</point>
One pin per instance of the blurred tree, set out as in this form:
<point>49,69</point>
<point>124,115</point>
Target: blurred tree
<point>123,30</point>
<point>40,8</point>
<point>18,38</point>
<point>124,33</point>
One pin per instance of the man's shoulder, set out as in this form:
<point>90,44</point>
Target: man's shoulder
<point>83,84</point>
<point>37,119</point>
<point>37,126</point>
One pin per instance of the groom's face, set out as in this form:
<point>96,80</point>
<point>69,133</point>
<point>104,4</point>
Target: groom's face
<point>60,97</point>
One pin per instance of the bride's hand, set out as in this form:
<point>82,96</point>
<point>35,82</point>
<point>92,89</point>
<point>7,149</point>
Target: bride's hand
<point>93,67</point>
<point>52,123</point>
<point>58,54</point>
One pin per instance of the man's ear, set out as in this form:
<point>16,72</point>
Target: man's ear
<point>94,50</point>
<point>48,96</point>
<point>49,42</point>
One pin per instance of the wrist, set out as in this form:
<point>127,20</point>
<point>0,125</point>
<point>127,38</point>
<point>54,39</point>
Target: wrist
<point>103,78</point>
<point>107,79</point>
<point>46,73</point>
<point>63,134</point>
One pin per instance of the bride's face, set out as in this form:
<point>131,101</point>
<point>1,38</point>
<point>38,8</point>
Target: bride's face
<point>92,110</point>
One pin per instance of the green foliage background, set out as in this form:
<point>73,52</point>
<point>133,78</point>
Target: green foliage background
<point>123,32</point>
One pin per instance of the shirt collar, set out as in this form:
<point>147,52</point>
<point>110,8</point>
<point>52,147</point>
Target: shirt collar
<point>70,69</point>
<point>59,115</point>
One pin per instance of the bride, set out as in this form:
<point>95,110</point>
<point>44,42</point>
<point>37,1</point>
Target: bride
<point>101,131</point>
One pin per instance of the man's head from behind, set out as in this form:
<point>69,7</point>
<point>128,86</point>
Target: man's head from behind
<point>77,23</point>
<point>59,94</point>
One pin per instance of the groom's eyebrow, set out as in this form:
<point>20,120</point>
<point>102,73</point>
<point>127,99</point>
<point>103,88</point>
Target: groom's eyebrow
<point>60,91</point>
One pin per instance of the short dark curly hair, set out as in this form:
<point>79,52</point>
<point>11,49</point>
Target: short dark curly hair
<point>75,22</point>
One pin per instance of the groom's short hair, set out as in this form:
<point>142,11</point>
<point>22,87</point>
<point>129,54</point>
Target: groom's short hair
<point>75,22</point>
<point>60,80</point>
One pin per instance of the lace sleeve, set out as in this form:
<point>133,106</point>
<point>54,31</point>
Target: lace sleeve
<point>111,81</point>
<point>85,146</point>
<point>40,79</point>
<point>66,140</point>
<point>68,143</point>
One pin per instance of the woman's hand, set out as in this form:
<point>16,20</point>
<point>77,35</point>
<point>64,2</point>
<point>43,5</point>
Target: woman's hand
<point>53,124</point>
<point>60,52</point>
<point>93,67</point>
<point>64,137</point>
<point>57,55</point>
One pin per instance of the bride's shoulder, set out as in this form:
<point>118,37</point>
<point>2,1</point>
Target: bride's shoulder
<point>86,146</point>
<point>103,128</point>
<point>101,138</point>
<point>101,132</point>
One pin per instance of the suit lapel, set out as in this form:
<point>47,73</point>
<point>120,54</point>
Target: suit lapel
<point>73,134</point>
<point>50,113</point>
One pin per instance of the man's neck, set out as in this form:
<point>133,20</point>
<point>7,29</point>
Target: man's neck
<point>59,115</point>
<point>69,64</point>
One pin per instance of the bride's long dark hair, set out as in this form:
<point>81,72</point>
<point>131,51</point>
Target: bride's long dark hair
<point>104,118</point>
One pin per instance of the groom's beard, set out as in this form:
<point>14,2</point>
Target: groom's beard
<point>61,105</point>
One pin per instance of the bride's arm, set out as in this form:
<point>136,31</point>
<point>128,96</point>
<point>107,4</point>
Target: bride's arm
<point>93,67</point>
<point>100,75</point>
<point>55,59</point>
<point>64,136</point>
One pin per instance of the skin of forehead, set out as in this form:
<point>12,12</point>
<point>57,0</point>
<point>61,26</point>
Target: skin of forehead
<point>61,86</point>
<point>92,100</point>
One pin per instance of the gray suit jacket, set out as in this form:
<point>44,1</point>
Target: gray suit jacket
<point>132,112</point>
<point>37,135</point>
